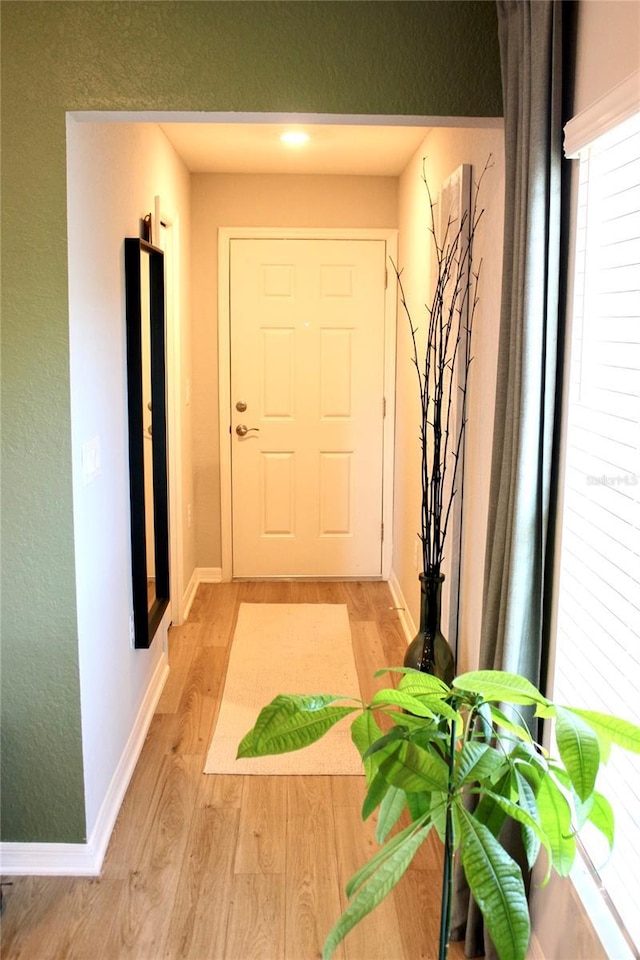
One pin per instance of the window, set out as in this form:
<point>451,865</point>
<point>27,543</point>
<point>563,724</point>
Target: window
<point>598,628</point>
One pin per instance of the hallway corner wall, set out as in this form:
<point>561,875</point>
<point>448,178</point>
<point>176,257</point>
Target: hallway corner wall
<point>114,172</point>
<point>443,150</point>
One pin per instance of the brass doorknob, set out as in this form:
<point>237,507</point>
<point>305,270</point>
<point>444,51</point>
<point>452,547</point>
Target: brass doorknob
<point>242,430</point>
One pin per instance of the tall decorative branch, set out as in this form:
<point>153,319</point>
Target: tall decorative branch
<point>444,369</point>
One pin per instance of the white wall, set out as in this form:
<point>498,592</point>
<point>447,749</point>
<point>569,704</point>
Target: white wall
<point>445,149</point>
<point>238,200</point>
<point>608,47</point>
<point>114,172</point>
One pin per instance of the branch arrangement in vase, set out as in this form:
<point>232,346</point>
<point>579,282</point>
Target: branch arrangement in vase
<point>443,368</point>
<point>443,374</point>
<point>445,745</point>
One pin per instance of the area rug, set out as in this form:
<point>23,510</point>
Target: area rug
<point>286,648</point>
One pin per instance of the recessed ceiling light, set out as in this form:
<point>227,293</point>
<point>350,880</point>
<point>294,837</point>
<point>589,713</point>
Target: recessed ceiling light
<point>294,138</point>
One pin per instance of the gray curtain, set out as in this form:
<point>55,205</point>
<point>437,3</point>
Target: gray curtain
<point>525,431</point>
<point>531,51</point>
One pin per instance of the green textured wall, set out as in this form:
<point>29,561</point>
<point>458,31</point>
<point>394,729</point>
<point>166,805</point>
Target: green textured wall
<point>435,58</point>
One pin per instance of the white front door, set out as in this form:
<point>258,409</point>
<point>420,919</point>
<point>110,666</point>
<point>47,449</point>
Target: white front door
<point>307,377</point>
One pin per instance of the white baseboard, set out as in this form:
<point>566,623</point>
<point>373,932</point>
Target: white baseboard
<point>189,594</point>
<point>406,620</point>
<point>49,859</point>
<point>85,859</point>
<point>199,575</point>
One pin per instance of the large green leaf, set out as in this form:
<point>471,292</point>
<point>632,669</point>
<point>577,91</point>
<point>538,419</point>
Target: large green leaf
<point>393,803</point>
<point>364,732</point>
<point>563,778</point>
<point>527,800</point>
<point>431,735</point>
<point>476,761</point>
<point>488,812</point>
<point>398,698</point>
<point>376,886</point>
<point>430,692</point>
<point>601,816</point>
<point>579,750</point>
<point>501,720</point>
<point>291,722</point>
<point>530,762</point>
<point>499,686</point>
<point>394,735</point>
<point>408,722</point>
<point>496,883</point>
<point>426,681</point>
<point>419,804</point>
<point>613,729</point>
<point>413,769</point>
<point>423,685</point>
<point>530,825</point>
<point>440,707</point>
<point>555,820</point>
<point>378,787</point>
<point>582,809</point>
<point>483,723</point>
<point>366,870</point>
<point>438,811</point>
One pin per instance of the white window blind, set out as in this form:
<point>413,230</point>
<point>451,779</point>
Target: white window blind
<point>598,630</point>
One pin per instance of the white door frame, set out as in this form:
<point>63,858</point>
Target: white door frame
<point>225,235</point>
<point>170,221</point>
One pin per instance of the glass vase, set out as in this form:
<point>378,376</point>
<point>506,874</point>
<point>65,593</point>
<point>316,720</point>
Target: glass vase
<point>429,651</point>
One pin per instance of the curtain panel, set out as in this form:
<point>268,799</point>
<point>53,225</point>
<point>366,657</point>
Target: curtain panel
<point>526,430</point>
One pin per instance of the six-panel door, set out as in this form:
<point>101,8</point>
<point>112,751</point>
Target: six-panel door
<point>307,383</point>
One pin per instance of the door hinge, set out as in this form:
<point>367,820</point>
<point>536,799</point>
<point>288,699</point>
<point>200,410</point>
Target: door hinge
<point>384,407</point>
<point>386,277</point>
<point>382,531</point>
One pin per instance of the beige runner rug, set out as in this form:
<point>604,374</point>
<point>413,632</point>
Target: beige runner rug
<point>286,648</point>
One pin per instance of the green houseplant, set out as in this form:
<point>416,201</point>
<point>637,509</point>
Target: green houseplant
<point>428,749</point>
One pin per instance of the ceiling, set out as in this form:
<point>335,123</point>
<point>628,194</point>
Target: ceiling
<point>332,148</point>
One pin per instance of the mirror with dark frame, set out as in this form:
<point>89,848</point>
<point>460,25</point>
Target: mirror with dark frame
<point>144,286</point>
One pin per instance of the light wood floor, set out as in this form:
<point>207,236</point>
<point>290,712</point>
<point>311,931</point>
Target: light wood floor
<point>232,867</point>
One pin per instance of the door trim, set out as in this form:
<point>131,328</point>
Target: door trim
<point>169,241</point>
<point>225,236</point>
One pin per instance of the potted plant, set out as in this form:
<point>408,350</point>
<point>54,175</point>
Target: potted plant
<point>442,368</point>
<point>442,746</point>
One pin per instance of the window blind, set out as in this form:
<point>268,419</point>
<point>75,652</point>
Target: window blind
<point>598,628</point>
